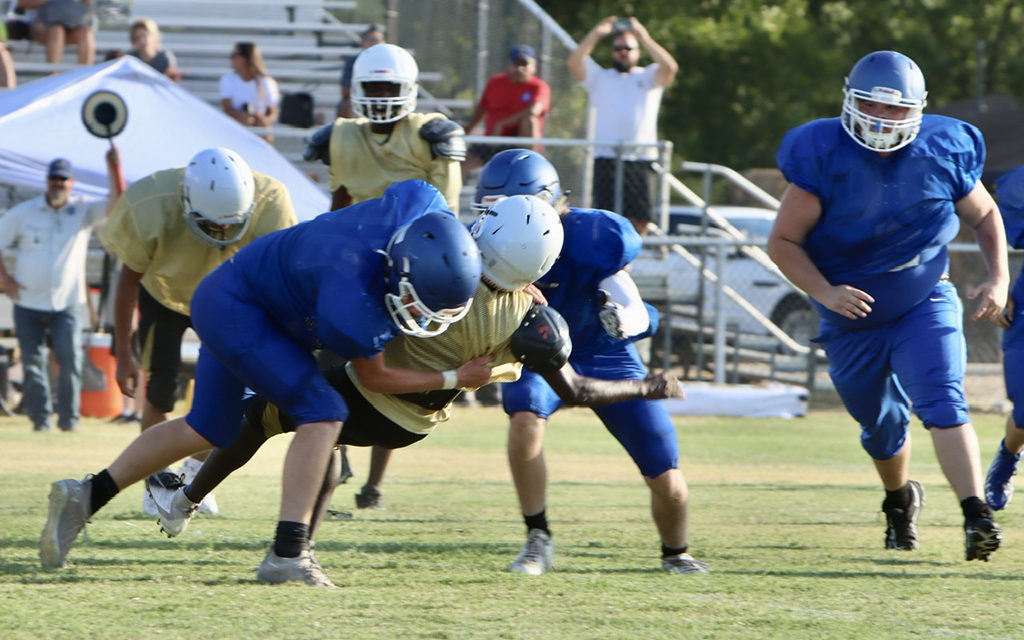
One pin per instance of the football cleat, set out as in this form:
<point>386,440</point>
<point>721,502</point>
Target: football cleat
<point>981,538</point>
<point>277,570</point>
<point>901,522</point>
<point>999,482</point>
<point>537,555</point>
<point>69,513</point>
<point>683,563</point>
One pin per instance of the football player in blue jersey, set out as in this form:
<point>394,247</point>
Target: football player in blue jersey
<point>874,197</point>
<point>999,482</point>
<point>605,314</point>
<point>349,281</point>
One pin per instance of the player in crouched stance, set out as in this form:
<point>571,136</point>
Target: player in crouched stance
<point>605,315</point>
<point>875,196</point>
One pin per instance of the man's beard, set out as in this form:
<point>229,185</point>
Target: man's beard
<point>622,66</point>
<point>57,197</point>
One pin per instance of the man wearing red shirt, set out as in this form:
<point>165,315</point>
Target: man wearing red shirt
<point>515,103</point>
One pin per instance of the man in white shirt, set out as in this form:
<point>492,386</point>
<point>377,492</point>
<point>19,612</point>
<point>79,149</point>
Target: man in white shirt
<point>52,234</point>
<point>625,99</point>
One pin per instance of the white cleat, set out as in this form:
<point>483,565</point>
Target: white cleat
<point>536,556</point>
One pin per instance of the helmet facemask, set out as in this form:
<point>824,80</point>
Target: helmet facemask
<point>881,134</point>
<point>383,108</point>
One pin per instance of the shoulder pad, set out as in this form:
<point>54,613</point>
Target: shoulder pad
<point>445,137</point>
<point>542,341</point>
<point>318,145</point>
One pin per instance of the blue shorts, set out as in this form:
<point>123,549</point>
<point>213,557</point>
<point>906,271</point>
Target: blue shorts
<point>916,360</point>
<point>243,347</point>
<point>1013,355</point>
<point>642,427</point>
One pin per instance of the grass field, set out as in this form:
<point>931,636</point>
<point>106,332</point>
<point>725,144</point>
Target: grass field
<point>786,512</point>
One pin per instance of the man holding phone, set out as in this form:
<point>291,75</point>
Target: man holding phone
<point>626,99</point>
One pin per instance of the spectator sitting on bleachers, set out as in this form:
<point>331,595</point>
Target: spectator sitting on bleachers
<point>61,22</point>
<point>248,94</point>
<point>145,38</point>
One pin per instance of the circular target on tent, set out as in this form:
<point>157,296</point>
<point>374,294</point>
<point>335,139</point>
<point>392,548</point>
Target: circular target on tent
<point>104,114</point>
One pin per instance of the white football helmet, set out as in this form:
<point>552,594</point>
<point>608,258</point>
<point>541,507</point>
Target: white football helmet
<point>890,78</point>
<point>519,238</point>
<point>385,63</point>
<point>218,194</point>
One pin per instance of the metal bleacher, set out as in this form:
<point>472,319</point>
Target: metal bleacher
<point>305,43</point>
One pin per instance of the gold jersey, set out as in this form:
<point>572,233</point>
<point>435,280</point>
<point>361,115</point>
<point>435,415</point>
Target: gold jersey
<point>486,329</point>
<point>147,231</point>
<point>367,163</point>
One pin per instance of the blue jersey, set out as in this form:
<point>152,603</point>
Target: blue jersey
<point>597,245</point>
<point>322,280</point>
<point>885,221</point>
<point>1010,191</point>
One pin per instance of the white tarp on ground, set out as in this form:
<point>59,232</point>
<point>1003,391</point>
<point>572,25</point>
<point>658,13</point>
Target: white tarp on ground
<point>166,126</point>
<point>774,400</point>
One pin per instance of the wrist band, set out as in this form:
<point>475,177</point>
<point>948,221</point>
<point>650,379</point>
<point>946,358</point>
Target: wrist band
<point>451,379</point>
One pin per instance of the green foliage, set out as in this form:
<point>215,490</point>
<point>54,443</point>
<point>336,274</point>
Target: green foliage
<point>752,69</point>
<point>785,512</point>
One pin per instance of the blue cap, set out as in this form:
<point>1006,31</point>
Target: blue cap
<point>521,51</point>
<point>60,168</point>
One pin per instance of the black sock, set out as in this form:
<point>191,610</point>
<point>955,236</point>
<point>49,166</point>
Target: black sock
<point>538,521</point>
<point>974,508</point>
<point>667,551</point>
<point>291,539</point>
<point>103,490</point>
<point>898,499</point>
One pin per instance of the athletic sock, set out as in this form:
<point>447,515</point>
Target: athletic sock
<point>291,538</point>
<point>974,508</point>
<point>898,499</point>
<point>537,521</point>
<point>103,490</point>
<point>667,551</point>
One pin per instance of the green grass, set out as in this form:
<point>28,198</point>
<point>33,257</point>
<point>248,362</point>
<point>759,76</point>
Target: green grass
<point>786,512</point>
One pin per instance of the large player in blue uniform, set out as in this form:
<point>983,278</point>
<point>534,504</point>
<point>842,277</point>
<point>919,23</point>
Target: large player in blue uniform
<point>605,314</point>
<point>874,198</point>
<point>999,483</point>
<point>348,281</point>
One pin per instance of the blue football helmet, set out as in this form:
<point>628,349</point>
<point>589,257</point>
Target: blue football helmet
<point>516,172</point>
<point>432,272</point>
<point>890,78</point>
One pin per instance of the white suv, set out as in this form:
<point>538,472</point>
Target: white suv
<point>770,293</point>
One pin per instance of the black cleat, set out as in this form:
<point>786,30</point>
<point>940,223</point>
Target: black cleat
<point>981,538</point>
<point>901,522</point>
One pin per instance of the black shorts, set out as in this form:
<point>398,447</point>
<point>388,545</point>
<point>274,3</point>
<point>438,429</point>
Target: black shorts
<point>365,426</point>
<point>636,188</point>
<point>159,344</point>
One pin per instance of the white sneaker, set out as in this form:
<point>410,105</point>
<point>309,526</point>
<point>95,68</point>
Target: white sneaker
<point>68,515</point>
<point>536,556</point>
<point>683,563</point>
<point>174,508</point>
<point>277,570</point>
<point>189,469</point>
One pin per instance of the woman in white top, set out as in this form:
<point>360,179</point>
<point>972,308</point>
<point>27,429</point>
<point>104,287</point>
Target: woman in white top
<point>248,94</point>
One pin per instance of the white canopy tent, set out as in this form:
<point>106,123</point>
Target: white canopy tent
<point>166,126</point>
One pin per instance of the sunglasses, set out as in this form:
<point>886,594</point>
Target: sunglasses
<point>521,62</point>
<point>622,47</point>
